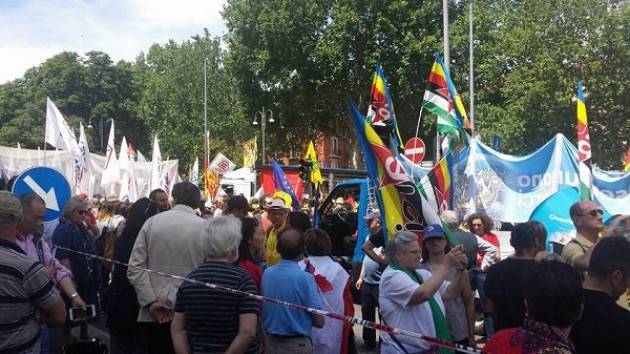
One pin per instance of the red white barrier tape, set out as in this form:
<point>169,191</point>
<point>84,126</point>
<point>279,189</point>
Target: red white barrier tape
<point>354,320</point>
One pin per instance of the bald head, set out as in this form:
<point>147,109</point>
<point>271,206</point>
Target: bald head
<point>291,243</point>
<point>587,217</point>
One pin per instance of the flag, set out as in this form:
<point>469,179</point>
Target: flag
<point>194,172</point>
<point>221,164</point>
<point>626,164</point>
<point>250,151</point>
<point>156,165</point>
<point>111,170</point>
<point>211,184</point>
<point>281,182</point>
<point>583,146</point>
<point>436,186</point>
<point>128,188</point>
<point>58,132</point>
<point>311,155</point>
<point>381,110</point>
<point>400,202</point>
<point>140,157</point>
<point>85,163</point>
<point>441,99</point>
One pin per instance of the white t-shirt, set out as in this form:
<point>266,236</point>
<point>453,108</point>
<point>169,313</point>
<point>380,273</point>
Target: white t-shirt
<point>395,291</point>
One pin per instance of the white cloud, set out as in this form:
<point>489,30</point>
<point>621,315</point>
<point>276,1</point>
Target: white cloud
<point>34,30</point>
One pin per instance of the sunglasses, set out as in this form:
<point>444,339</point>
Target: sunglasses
<point>593,213</point>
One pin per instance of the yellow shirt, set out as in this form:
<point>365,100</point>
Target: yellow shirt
<point>271,245</point>
<point>573,250</point>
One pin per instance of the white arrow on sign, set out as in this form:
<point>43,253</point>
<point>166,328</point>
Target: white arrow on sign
<point>50,198</point>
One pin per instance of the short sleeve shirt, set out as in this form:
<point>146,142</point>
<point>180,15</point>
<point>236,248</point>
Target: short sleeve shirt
<point>378,238</point>
<point>287,282</point>
<point>212,316</point>
<point>395,291</point>
<point>24,288</point>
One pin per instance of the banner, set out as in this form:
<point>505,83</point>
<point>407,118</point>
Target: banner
<point>221,164</point>
<point>250,151</point>
<point>508,188</point>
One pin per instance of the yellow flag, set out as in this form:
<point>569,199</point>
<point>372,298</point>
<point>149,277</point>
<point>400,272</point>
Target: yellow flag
<point>250,151</point>
<point>311,155</point>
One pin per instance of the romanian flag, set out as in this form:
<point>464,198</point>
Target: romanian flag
<point>381,111</point>
<point>626,164</point>
<point>400,202</point>
<point>442,99</point>
<point>583,146</point>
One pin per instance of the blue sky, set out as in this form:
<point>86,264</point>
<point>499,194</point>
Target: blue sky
<point>33,30</point>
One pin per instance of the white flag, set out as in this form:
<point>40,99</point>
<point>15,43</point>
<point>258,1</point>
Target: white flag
<point>128,188</point>
<point>140,157</point>
<point>111,170</point>
<point>84,167</point>
<point>58,132</point>
<point>221,164</point>
<point>194,173</point>
<point>156,163</point>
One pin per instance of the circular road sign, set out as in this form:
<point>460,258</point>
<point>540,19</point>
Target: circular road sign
<point>415,149</point>
<point>47,183</point>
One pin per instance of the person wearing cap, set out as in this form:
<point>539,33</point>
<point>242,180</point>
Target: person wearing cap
<point>376,239</point>
<point>413,299</point>
<point>27,294</point>
<point>460,311</point>
<point>278,211</point>
<point>239,207</point>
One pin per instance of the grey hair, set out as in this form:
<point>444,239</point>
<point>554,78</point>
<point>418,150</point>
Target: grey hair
<point>221,235</point>
<point>450,218</point>
<point>398,242</point>
<point>73,204</point>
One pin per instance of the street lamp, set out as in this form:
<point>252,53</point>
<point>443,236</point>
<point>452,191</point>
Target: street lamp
<point>206,137</point>
<point>100,129</point>
<point>264,116</point>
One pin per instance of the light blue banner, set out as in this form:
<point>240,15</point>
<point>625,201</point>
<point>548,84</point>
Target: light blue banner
<point>508,188</point>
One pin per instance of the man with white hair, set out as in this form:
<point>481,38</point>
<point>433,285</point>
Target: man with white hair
<point>214,321</point>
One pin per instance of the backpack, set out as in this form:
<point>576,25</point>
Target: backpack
<point>105,246</point>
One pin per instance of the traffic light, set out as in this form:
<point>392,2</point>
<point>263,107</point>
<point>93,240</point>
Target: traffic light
<point>305,170</point>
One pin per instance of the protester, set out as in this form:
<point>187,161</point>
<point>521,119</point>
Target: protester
<point>264,216</point>
<point>367,284</point>
<point>107,226</point>
<point>333,284</point>
<point>472,243</point>
<point>239,207</point>
<point>221,206</point>
<point>27,294</point>
<point>277,212</point>
<point>460,311</point>
<point>29,239</point>
<point>90,217</point>
<point>71,233</point>
<point>412,298</point>
<point>121,302</point>
<point>160,197</point>
<point>210,320</point>
<point>588,220</point>
<point>604,326</point>
<point>287,329</point>
<point>251,248</point>
<point>299,220</point>
<point>553,298</point>
<point>376,238</point>
<point>481,225</point>
<point>505,282</point>
<point>168,242</point>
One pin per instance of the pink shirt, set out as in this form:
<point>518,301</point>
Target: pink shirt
<point>27,245</point>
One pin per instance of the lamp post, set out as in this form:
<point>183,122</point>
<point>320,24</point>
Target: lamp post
<point>264,116</point>
<point>100,130</point>
<point>205,114</point>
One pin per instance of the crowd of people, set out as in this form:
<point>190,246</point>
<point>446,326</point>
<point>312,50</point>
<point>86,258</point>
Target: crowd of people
<point>532,301</point>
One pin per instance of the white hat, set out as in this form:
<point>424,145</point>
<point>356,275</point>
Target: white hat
<point>278,203</point>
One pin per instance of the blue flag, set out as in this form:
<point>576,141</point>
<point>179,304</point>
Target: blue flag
<point>282,183</point>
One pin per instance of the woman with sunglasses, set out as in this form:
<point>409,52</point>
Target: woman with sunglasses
<point>72,233</point>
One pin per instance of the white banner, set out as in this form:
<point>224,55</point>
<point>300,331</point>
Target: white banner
<point>221,164</point>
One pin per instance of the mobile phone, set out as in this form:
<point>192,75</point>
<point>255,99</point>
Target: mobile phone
<point>77,314</point>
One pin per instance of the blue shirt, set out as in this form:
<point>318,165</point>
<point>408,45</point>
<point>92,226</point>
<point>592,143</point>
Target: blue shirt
<point>287,282</point>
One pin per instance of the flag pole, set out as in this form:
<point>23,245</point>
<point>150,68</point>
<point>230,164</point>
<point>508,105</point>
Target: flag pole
<point>419,118</point>
<point>471,103</point>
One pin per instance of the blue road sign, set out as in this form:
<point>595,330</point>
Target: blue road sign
<point>49,184</point>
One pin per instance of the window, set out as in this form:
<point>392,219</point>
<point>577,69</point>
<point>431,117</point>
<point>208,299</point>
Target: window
<point>333,146</point>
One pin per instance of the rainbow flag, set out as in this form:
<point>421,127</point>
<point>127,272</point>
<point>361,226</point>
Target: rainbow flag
<point>441,98</point>
<point>583,146</point>
<point>626,164</point>
<point>437,185</point>
<point>133,153</point>
<point>400,202</point>
<point>381,110</point>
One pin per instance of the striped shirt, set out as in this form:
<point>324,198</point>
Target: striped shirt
<point>24,287</point>
<point>212,316</point>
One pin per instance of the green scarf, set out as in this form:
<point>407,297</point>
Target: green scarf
<point>441,327</point>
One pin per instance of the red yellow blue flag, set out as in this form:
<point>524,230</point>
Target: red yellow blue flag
<point>381,110</point>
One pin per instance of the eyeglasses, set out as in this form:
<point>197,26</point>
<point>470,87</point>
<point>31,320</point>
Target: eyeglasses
<point>417,253</point>
<point>593,213</point>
